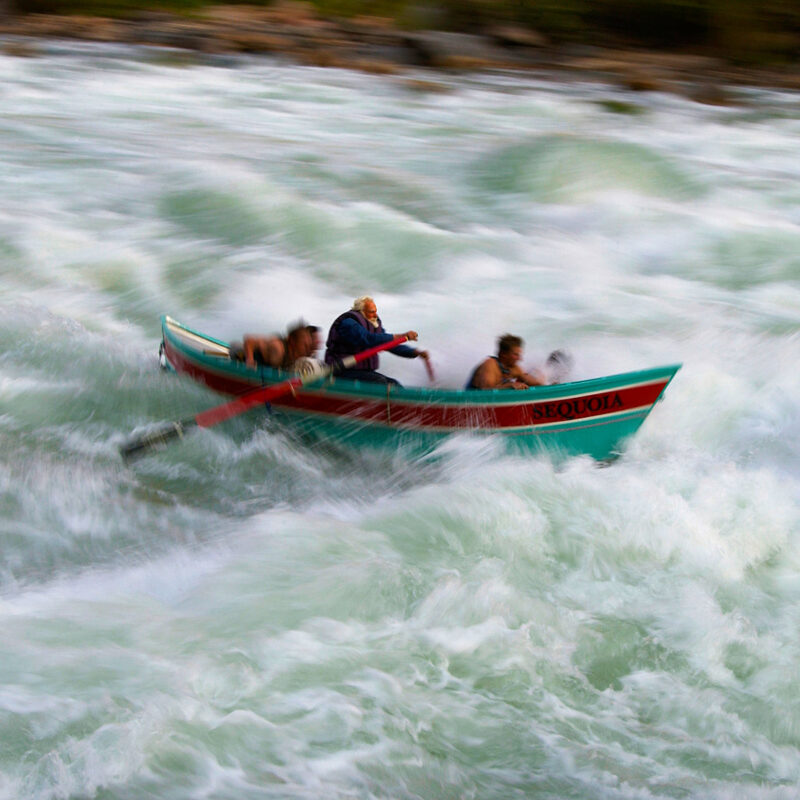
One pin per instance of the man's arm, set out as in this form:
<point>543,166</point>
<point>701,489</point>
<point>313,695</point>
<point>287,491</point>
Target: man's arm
<point>362,338</point>
<point>404,351</point>
<point>529,379</point>
<point>489,376</point>
<point>359,337</point>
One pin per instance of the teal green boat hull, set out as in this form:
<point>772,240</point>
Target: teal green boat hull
<point>593,417</point>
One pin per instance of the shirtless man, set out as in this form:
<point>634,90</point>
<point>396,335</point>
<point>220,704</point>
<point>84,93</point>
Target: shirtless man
<point>503,371</point>
<point>267,350</point>
<point>278,352</point>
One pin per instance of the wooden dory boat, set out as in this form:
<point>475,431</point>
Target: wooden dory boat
<point>591,417</point>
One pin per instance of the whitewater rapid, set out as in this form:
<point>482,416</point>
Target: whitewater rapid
<point>247,616</point>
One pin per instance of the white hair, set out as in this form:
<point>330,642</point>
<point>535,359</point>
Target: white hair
<point>360,302</point>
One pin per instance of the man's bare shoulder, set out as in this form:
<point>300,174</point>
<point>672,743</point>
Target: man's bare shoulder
<point>487,374</point>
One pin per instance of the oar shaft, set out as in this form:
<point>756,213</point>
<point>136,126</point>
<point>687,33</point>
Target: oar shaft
<point>205,419</point>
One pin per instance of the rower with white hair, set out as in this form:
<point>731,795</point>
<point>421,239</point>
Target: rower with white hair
<point>359,329</point>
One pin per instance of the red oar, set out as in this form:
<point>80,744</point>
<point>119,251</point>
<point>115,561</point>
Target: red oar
<point>139,445</point>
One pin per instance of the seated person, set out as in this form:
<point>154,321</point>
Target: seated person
<point>359,329</point>
<point>502,371</point>
<point>275,351</point>
<point>306,363</point>
<point>267,351</point>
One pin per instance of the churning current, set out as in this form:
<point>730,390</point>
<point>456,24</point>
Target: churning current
<point>248,616</point>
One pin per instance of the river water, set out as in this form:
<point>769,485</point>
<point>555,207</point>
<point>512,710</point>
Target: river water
<point>247,616</point>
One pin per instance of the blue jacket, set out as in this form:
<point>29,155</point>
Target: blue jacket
<point>351,333</point>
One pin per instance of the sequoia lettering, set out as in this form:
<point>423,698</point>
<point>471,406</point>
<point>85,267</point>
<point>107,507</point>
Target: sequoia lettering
<point>580,406</point>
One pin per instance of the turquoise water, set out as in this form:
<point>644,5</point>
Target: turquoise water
<point>247,616</point>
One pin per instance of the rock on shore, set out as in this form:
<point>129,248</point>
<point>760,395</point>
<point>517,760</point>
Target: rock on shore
<point>295,31</point>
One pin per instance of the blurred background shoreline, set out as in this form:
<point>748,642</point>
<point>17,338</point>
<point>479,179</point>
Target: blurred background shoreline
<point>690,47</point>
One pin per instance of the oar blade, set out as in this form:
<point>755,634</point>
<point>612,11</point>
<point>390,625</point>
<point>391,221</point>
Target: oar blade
<point>157,439</point>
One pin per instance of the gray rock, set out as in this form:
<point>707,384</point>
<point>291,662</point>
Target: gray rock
<point>516,36</point>
<point>445,49</point>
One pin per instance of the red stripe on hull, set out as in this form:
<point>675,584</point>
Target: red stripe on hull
<point>441,415</point>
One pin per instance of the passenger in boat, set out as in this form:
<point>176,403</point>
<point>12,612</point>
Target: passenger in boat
<point>302,342</point>
<point>278,352</point>
<point>268,351</point>
<point>359,329</point>
<point>503,371</point>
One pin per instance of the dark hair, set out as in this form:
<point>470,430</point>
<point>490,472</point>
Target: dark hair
<point>312,329</point>
<point>508,341</point>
